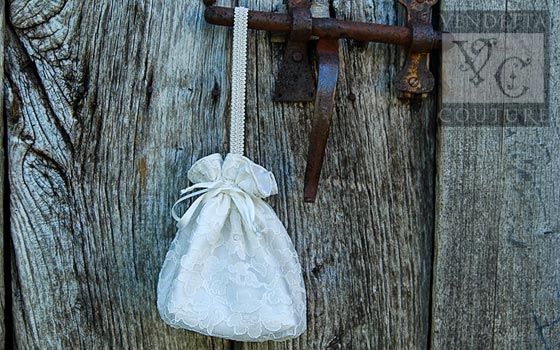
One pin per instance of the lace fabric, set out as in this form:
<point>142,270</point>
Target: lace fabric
<point>232,270</point>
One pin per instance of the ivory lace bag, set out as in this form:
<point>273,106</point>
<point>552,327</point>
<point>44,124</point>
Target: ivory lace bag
<point>232,271</point>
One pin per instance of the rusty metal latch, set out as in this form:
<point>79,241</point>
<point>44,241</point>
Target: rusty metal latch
<point>415,77</point>
<point>295,80</point>
<point>327,76</point>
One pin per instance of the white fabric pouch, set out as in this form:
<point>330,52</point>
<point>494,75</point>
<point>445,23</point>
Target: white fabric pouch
<point>232,271</point>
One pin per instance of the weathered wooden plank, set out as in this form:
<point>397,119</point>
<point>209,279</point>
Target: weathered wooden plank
<point>365,246</point>
<point>3,267</point>
<point>108,106</point>
<point>497,267</point>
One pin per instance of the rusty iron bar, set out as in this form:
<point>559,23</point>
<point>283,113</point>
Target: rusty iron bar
<point>328,28</point>
<point>327,77</point>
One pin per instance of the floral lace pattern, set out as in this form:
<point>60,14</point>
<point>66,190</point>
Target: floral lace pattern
<point>232,270</point>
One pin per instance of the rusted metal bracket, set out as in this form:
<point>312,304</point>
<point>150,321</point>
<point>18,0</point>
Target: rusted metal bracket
<point>295,82</point>
<point>415,77</point>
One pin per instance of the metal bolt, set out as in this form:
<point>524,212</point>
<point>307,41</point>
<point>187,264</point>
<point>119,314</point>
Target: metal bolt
<point>413,81</point>
<point>297,56</point>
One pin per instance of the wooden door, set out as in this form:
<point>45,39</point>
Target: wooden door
<point>497,253</point>
<point>108,103</point>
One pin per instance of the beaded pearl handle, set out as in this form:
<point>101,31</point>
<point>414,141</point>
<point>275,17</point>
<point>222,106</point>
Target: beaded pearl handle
<point>238,81</point>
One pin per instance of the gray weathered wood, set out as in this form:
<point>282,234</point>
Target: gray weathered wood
<point>2,188</point>
<point>365,245</point>
<point>110,103</point>
<point>497,265</point>
<point>108,106</point>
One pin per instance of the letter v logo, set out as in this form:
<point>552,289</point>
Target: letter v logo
<point>477,58</point>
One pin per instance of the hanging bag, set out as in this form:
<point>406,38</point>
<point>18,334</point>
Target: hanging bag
<point>232,271</point>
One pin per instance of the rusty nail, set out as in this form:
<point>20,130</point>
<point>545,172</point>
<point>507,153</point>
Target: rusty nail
<point>413,81</point>
<point>297,56</point>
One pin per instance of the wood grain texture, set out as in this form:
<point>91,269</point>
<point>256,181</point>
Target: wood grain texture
<point>497,262</point>
<point>3,195</point>
<point>365,244</point>
<point>109,103</point>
